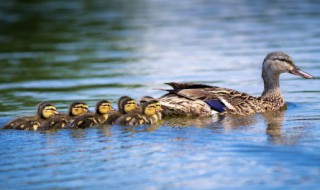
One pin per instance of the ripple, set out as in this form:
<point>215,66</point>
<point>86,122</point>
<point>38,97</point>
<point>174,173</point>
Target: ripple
<point>92,50</point>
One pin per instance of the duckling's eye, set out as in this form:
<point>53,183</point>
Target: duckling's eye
<point>51,108</point>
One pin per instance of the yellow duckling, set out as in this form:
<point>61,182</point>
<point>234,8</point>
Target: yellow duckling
<point>45,110</point>
<point>125,105</point>
<point>60,121</point>
<point>158,104</point>
<point>147,115</point>
<point>104,112</point>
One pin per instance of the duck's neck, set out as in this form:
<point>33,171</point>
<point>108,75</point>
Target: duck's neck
<point>271,87</point>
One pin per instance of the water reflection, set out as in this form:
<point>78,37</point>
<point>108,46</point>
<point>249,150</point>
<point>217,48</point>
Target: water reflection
<point>139,129</point>
<point>274,122</point>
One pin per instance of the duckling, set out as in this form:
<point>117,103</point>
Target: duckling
<point>62,120</point>
<point>147,115</point>
<point>45,110</point>
<point>103,112</point>
<point>145,99</point>
<point>125,105</point>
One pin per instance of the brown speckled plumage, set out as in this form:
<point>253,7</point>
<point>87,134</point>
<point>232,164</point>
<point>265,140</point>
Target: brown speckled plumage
<point>30,122</point>
<point>139,118</point>
<point>61,121</point>
<point>190,99</point>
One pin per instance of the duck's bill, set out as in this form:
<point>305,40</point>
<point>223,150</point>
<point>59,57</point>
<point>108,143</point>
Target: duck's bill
<point>301,73</point>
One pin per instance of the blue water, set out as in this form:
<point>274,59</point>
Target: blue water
<point>92,50</point>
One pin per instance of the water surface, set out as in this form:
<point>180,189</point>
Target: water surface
<point>92,50</point>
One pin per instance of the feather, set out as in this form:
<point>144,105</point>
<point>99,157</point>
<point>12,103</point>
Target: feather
<point>216,105</point>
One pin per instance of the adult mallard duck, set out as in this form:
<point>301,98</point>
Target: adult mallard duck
<point>147,115</point>
<point>45,110</point>
<point>60,121</point>
<point>104,112</point>
<point>202,100</point>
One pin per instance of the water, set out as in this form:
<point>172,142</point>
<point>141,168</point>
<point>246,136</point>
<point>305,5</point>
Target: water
<point>90,50</point>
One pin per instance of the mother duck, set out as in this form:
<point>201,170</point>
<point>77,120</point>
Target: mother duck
<point>202,100</point>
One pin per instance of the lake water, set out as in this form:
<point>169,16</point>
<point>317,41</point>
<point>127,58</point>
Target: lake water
<point>92,50</point>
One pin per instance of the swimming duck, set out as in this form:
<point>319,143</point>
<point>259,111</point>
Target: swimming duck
<point>103,113</point>
<point>125,105</point>
<point>145,99</point>
<point>60,121</point>
<point>45,110</point>
<point>201,100</point>
<point>147,115</point>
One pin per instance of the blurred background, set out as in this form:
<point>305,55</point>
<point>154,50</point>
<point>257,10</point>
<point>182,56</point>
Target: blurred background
<point>87,50</point>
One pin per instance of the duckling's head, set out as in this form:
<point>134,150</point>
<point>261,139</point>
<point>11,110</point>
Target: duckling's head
<point>145,99</point>
<point>120,101</point>
<point>78,108</point>
<point>150,108</point>
<point>46,110</point>
<point>127,105</point>
<point>103,107</point>
<point>159,108</point>
<point>276,63</point>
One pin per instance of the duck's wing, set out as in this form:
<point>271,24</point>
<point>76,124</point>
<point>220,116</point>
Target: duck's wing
<point>56,122</point>
<point>84,121</point>
<point>20,123</point>
<point>222,99</point>
<point>112,117</point>
<point>132,119</point>
<point>177,86</point>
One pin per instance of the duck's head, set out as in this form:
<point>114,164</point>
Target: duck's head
<point>78,108</point>
<point>151,107</point>
<point>276,63</point>
<point>46,110</point>
<point>159,108</point>
<point>145,99</point>
<point>127,105</point>
<point>103,107</point>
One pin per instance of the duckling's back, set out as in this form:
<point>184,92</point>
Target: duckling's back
<point>132,119</point>
<point>25,123</point>
<point>58,121</point>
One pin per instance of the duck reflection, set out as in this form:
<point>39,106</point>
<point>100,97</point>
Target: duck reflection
<point>274,122</point>
<point>200,122</point>
<point>139,129</point>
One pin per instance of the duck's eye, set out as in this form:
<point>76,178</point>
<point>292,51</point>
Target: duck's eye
<point>51,108</point>
<point>131,103</point>
<point>153,106</point>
